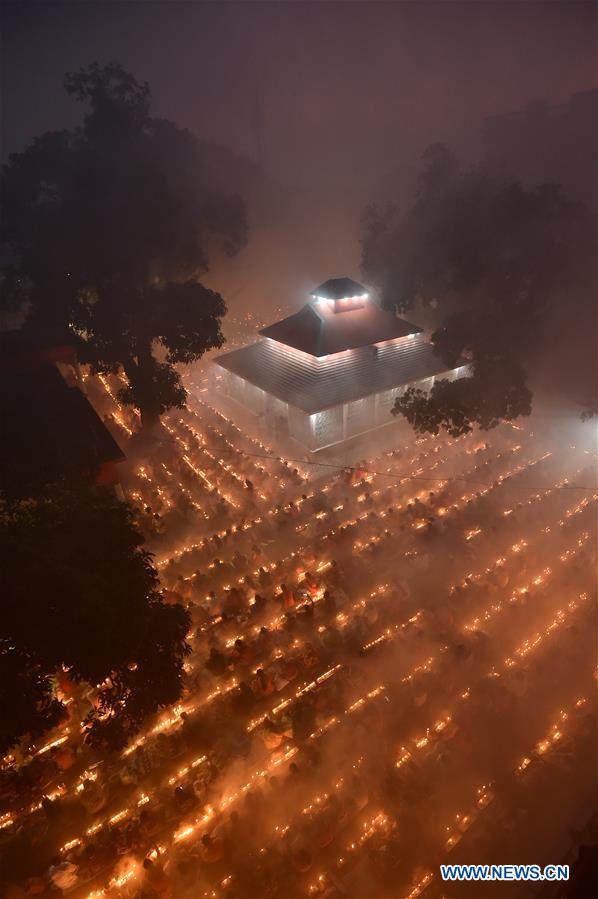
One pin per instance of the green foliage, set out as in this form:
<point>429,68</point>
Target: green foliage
<point>155,388</point>
<point>510,276</point>
<point>26,696</point>
<point>486,399</point>
<point>80,592</point>
<point>108,229</point>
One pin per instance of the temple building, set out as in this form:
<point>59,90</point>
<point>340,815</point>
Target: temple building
<point>333,370</point>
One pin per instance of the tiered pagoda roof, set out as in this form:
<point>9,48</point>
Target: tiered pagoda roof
<point>339,347</point>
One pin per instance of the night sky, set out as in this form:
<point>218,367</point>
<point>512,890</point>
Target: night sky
<point>342,85</point>
<point>346,92</point>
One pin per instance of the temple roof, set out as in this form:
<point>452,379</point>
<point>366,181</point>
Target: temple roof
<point>319,330</point>
<point>337,288</point>
<point>311,385</point>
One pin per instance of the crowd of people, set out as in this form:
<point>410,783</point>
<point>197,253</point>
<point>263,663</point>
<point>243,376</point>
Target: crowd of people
<point>368,648</point>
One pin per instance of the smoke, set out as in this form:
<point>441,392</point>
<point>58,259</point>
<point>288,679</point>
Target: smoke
<point>335,102</point>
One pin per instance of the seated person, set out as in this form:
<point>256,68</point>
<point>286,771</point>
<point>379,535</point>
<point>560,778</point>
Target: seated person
<point>212,849</point>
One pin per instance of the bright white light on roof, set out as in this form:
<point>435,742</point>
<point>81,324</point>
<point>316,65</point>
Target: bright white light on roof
<point>323,300</point>
<point>411,336</point>
<point>362,296</point>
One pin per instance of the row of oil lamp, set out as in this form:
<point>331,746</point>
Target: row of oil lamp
<point>185,832</point>
<point>171,720</point>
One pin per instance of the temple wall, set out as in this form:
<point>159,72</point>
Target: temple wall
<point>385,402</point>
<point>360,416</point>
<point>327,427</point>
<point>250,396</point>
<point>300,426</point>
<point>277,415</point>
<point>332,425</point>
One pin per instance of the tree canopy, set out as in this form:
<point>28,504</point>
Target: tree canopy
<point>80,600</point>
<point>508,276</point>
<point>547,143</point>
<point>107,229</point>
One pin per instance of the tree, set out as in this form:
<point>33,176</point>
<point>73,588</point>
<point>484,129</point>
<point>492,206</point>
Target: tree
<point>544,143</point>
<point>487,398</point>
<point>507,273</point>
<point>80,596</point>
<point>108,229</point>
